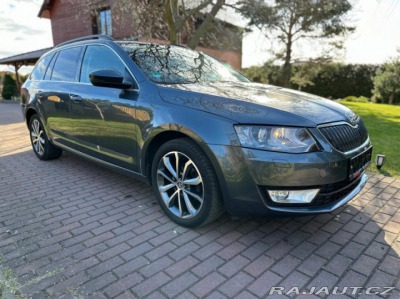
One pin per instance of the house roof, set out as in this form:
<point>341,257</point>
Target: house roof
<point>25,58</point>
<point>44,11</point>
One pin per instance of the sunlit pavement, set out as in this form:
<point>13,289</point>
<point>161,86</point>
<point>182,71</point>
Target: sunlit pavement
<point>69,228</point>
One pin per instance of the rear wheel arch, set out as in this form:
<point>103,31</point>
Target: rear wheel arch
<point>41,145</point>
<point>29,113</point>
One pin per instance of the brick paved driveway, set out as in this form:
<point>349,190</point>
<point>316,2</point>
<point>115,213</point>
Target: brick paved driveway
<point>69,228</point>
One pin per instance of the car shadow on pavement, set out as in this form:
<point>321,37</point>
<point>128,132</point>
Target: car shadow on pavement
<point>68,227</point>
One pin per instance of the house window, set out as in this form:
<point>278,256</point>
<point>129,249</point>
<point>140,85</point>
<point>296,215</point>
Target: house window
<point>102,22</point>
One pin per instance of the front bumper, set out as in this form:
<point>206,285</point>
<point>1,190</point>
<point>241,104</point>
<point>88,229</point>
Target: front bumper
<point>245,175</point>
<point>327,208</point>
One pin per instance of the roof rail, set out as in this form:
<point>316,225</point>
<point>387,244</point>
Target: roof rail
<point>180,45</point>
<point>94,36</point>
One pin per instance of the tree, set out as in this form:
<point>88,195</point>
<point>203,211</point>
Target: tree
<point>305,72</point>
<point>9,87</point>
<point>177,17</point>
<point>387,82</point>
<point>292,20</point>
<point>267,74</point>
<point>178,21</point>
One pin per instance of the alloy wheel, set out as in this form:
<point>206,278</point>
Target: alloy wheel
<point>180,185</point>
<point>37,134</point>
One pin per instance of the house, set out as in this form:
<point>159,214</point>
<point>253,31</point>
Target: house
<point>73,18</point>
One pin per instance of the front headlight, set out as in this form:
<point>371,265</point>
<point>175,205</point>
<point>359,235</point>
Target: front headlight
<point>278,139</point>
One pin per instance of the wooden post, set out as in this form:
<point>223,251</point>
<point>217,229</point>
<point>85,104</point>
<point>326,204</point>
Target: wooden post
<point>16,66</point>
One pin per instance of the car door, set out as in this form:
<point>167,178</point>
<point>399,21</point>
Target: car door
<point>61,75</point>
<point>105,123</point>
<point>37,85</point>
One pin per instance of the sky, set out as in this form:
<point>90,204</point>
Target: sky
<point>375,40</point>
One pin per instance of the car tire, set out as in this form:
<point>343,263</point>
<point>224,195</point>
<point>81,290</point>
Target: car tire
<point>191,196</point>
<point>41,145</point>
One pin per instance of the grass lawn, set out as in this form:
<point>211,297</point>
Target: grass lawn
<point>383,124</point>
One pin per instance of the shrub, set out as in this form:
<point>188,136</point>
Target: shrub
<point>387,83</point>
<point>356,99</point>
<point>9,87</point>
<point>339,80</point>
<point>267,74</point>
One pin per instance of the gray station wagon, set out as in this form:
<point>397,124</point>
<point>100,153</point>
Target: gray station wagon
<point>206,138</point>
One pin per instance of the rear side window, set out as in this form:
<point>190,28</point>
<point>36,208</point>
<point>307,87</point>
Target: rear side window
<point>50,67</point>
<point>40,69</point>
<point>66,66</point>
<point>99,58</point>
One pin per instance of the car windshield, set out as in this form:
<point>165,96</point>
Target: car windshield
<point>167,64</point>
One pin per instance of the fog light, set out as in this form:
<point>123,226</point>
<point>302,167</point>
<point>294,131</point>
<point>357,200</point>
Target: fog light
<point>380,160</point>
<point>293,196</point>
<point>279,196</point>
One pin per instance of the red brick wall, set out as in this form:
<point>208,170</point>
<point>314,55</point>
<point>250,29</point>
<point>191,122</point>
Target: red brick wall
<point>122,24</point>
<point>69,21</point>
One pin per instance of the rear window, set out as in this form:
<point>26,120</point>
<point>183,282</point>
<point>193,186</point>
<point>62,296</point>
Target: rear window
<point>66,66</point>
<point>40,68</point>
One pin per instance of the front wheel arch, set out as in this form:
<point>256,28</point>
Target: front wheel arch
<point>212,206</point>
<point>157,141</point>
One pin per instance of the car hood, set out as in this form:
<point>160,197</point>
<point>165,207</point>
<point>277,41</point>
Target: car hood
<point>255,103</point>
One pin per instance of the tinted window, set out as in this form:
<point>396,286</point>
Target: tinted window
<point>50,68</point>
<point>176,65</point>
<point>66,67</point>
<point>98,58</point>
<point>40,69</point>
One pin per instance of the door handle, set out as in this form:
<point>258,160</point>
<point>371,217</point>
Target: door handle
<point>75,98</point>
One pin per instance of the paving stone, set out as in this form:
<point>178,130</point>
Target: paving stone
<point>207,284</point>
<point>179,285</point>
<point>207,266</point>
<point>88,232</point>
<point>311,265</point>
<point>263,284</point>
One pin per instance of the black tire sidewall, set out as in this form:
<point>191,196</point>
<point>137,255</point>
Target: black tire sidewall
<point>184,146</point>
<point>41,157</point>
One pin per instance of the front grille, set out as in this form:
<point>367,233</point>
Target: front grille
<point>344,137</point>
<point>328,194</point>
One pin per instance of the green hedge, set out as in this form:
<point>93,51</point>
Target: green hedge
<point>338,81</point>
<point>332,80</point>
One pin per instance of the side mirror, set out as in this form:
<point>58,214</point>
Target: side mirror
<point>109,78</point>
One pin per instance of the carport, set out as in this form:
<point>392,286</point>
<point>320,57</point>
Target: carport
<point>28,58</point>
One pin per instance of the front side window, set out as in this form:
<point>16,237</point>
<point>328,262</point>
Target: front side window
<point>66,65</point>
<point>40,69</point>
<point>177,65</point>
<point>100,58</point>
<point>102,22</point>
